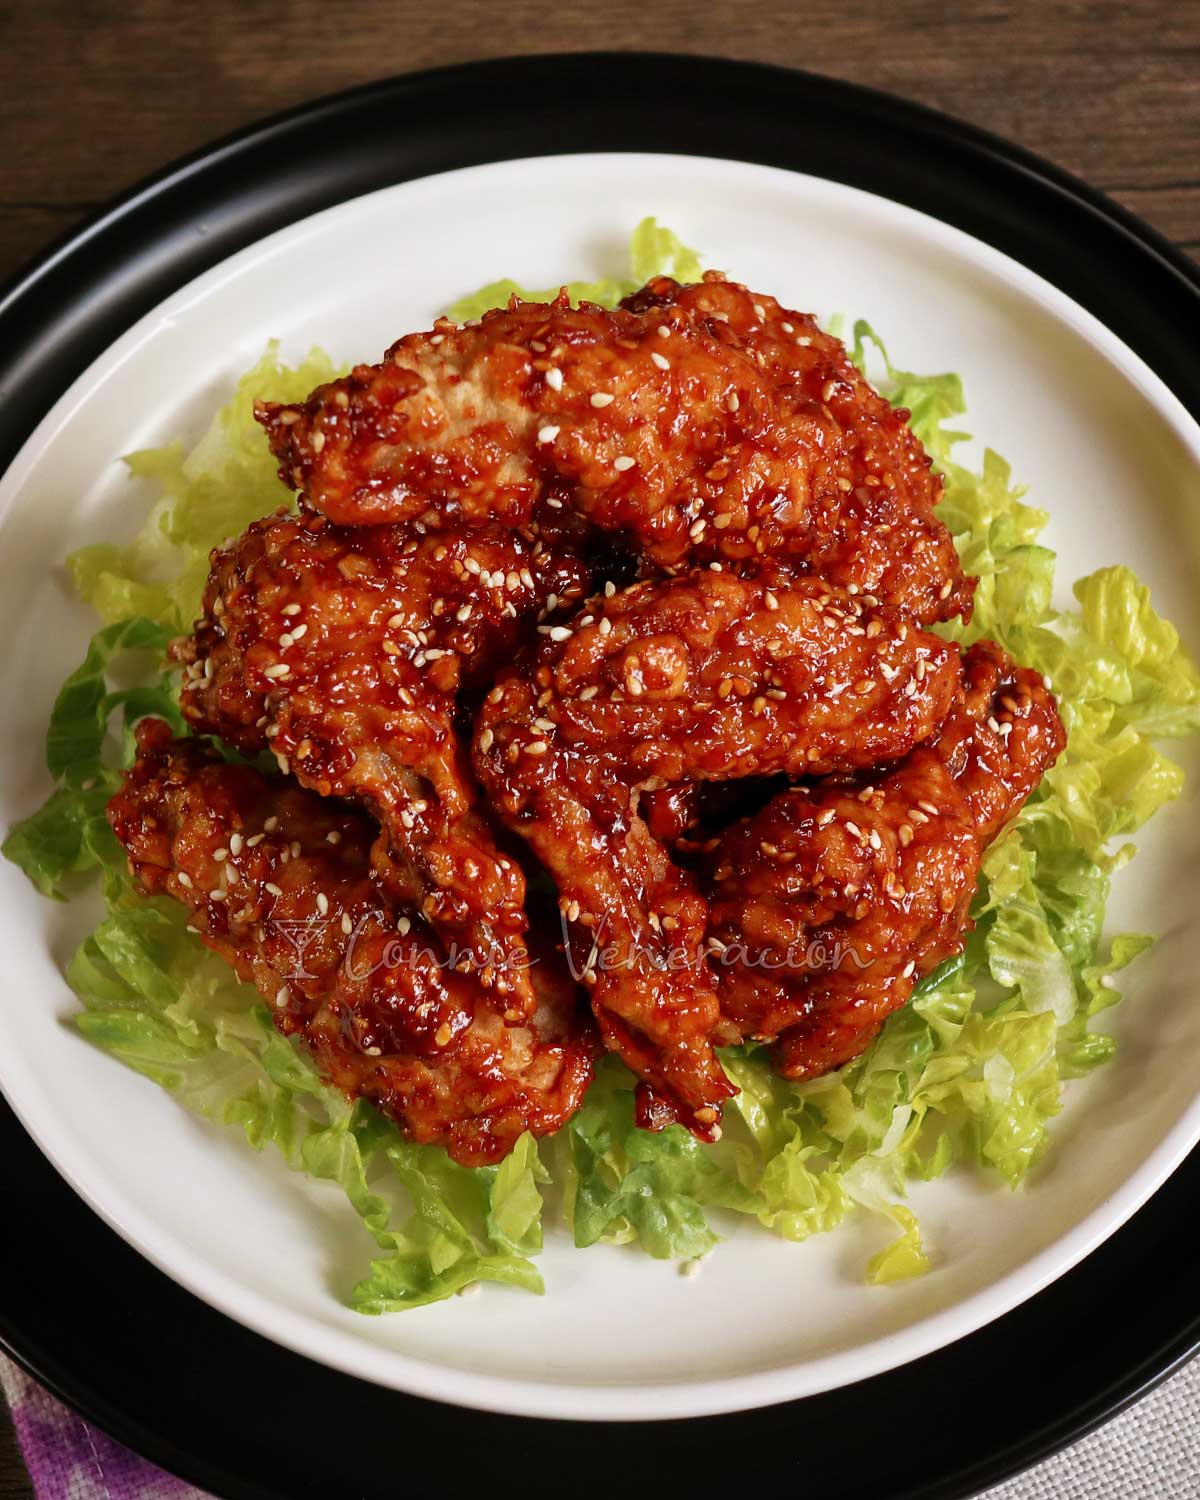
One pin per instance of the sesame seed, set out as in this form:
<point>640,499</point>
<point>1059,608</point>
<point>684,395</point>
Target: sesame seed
<point>874,840</point>
<point>560,633</point>
<point>910,968</point>
<point>300,632</point>
<point>588,693</point>
<point>317,440</point>
<point>536,747</point>
<point>272,888</point>
<point>231,875</point>
<point>732,401</point>
<point>602,398</point>
<point>853,829</point>
<point>323,903</point>
<point>280,669</point>
<point>663,331</point>
<point>546,434</point>
<point>624,462</point>
<point>929,808</point>
<point>184,879</point>
<point>235,844</point>
<point>285,640</point>
<point>605,626</point>
<point>282,996</point>
<point>216,895</point>
<point>220,854</point>
<point>661,360</point>
<point>696,530</point>
<point>787,327</point>
<point>610,589</point>
<point>291,609</point>
<point>772,601</point>
<point>253,842</point>
<point>554,378</point>
<point>905,835</point>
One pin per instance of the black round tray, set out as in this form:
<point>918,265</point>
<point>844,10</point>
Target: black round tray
<point>227,1409</point>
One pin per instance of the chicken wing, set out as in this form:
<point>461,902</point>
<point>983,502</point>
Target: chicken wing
<point>835,900</point>
<point>278,881</point>
<point>343,651</point>
<point>701,424</point>
<point>704,678</point>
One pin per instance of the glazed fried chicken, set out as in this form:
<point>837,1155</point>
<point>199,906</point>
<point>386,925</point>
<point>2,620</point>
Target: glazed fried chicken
<point>278,882</point>
<point>835,900</point>
<point>699,424</point>
<point>343,650</point>
<point>760,787</point>
<point>704,678</point>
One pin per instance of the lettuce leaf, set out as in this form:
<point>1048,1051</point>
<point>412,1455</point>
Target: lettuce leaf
<point>970,1074</point>
<point>653,251</point>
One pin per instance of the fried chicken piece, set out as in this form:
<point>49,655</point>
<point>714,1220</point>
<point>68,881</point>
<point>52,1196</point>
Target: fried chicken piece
<point>696,431</point>
<point>343,650</point>
<point>705,678</point>
<point>870,521</point>
<point>834,901</point>
<point>278,882</point>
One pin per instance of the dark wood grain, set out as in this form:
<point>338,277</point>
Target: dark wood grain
<point>94,96</point>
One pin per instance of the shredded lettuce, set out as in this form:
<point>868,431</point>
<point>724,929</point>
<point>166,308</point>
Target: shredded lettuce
<point>970,1073</point>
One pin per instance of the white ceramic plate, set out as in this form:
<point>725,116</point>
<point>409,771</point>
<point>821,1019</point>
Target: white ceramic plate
<point>1104,447</point>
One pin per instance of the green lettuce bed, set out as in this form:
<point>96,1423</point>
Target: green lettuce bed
<point>970,1074</point>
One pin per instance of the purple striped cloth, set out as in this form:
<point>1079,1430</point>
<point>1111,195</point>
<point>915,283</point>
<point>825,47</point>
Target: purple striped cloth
<point>69,1459</point>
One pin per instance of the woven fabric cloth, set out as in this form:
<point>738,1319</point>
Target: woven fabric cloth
<point>1151,1452</point>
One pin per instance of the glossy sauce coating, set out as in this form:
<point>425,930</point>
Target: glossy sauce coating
<point>279,884</point>
<point>834,901</point>
<point>759,786</point>
<point>707,677</point>
<point>343,651</point>
<point>701,424</point>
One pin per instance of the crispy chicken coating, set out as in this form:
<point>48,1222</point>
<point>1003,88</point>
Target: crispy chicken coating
<point>870,522</point>
<point>343,650</point>
<point>835,900</point>
<point>700,424</point>
<point>279,884</point>
<point>710,677</point>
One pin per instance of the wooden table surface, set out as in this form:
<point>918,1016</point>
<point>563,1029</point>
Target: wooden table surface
<point>94,96</point>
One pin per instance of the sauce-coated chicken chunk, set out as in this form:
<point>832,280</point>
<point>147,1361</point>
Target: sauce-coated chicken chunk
<point>702,424</point>
<point>278,882</point>
<point>833,902</point>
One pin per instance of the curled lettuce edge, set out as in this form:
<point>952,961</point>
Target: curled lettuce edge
<point>971,1072</point>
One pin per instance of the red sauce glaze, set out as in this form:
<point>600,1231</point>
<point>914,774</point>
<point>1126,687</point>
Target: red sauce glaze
<point>709,677</point>
<point>278,881</point>
<point>343,651</point>
<point>835,900</point>
<point>632,599</point>
<point>703,423</point>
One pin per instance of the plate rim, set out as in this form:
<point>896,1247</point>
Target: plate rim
<point>309,117</point>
